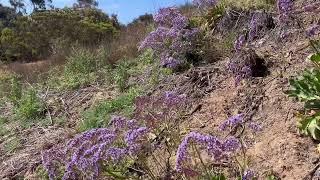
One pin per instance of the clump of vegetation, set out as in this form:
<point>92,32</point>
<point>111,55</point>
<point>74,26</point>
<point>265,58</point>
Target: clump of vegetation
<point>127,144</point>
<point>307,89</point>
<point>29,37</point>
<point>173,39</point>
<point>99,116</point>
<point>30,107</point>
<point>82,68</point>
<point>27,105</point>
<point>122,75</point>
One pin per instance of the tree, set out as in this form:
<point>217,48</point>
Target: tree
<point>7,16</point>
<point>18,5</point>
<point>86,4</point>
<point>40,4</point>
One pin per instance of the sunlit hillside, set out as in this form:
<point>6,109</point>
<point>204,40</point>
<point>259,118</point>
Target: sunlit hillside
<point>202,89</point>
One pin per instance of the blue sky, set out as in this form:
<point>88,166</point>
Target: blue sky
<point>126,10</point>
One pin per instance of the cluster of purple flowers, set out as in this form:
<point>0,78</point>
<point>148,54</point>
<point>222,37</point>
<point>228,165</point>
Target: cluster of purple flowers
<point>240,69</point>
<point>205,4</point>
<point>248,175</point>
<point>232,122</point>
<point>285,7</point>
<point>238,120</point>
<point>313,30</point>
<point>159,110</point>
<point>172,39</point>
<point>215,148</point>
<point>85,154</point>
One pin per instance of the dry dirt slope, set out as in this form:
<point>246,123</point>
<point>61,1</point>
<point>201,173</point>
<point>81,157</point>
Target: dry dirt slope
<point>278,148</point>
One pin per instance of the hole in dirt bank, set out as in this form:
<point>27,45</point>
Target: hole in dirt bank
<point>259,68</point>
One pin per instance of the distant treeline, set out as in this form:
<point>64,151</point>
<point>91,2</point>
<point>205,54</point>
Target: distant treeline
<point>28,37</point>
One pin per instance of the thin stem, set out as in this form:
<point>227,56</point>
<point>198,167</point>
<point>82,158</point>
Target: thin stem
<point>201,160</point>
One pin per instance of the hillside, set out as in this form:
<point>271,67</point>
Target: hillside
<point>214,90</point>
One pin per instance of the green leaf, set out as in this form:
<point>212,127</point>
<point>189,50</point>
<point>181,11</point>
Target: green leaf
<point>310,126</point>
<point>312,104</point>
<point>218,177</point>
<point>315,58</point>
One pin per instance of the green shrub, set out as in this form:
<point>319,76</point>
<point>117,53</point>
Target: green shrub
<point>307,89</point>
<point>122,75</point>
<point>99,115</point>
<point>82,68</point>
<point>30,37</point>
<point>30,106</point>
<point>10,86</point>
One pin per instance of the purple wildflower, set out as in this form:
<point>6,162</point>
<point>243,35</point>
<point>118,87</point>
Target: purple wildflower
<point>313,7</point>
<point>116,154</point>
<point>51,160</point>
<point>313,30</point>
<point>214,147</point>
<point>232,122</point>
<point>172,39</point>
<point>119,122</point>
<point>255,127</point>
<point>172,99</point>
<point>285,6</point>
<point>248,175</point>
<point>232,144</point>
<point>239,43</point>
<point>182,153</point>
<point>170,17</point>
<point>133,135</point>
<point>132,124</point>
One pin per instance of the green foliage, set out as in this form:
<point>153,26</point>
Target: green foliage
<point>15,93</point>
<point>30,106</point>
<point>30,37</point>
<point>99,115</point>
<point>307,89</point>
<point>3,128</point>
<point>214,14</point>
<point>121,75</point>
<point>82,68</point>
<point>41,173</point>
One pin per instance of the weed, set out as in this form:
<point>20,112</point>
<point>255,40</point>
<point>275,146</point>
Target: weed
<point>121,75</point>
<point>3,128</point>
<point>99,116</point>
<point>30,106</point>
<point>10,87</point>
<point>306,88</point>
<point>83,67</point>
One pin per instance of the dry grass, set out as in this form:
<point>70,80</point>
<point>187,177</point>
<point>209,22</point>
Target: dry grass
<point>126,45</point>
<point>251,4</point>
<point>29,72</point>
